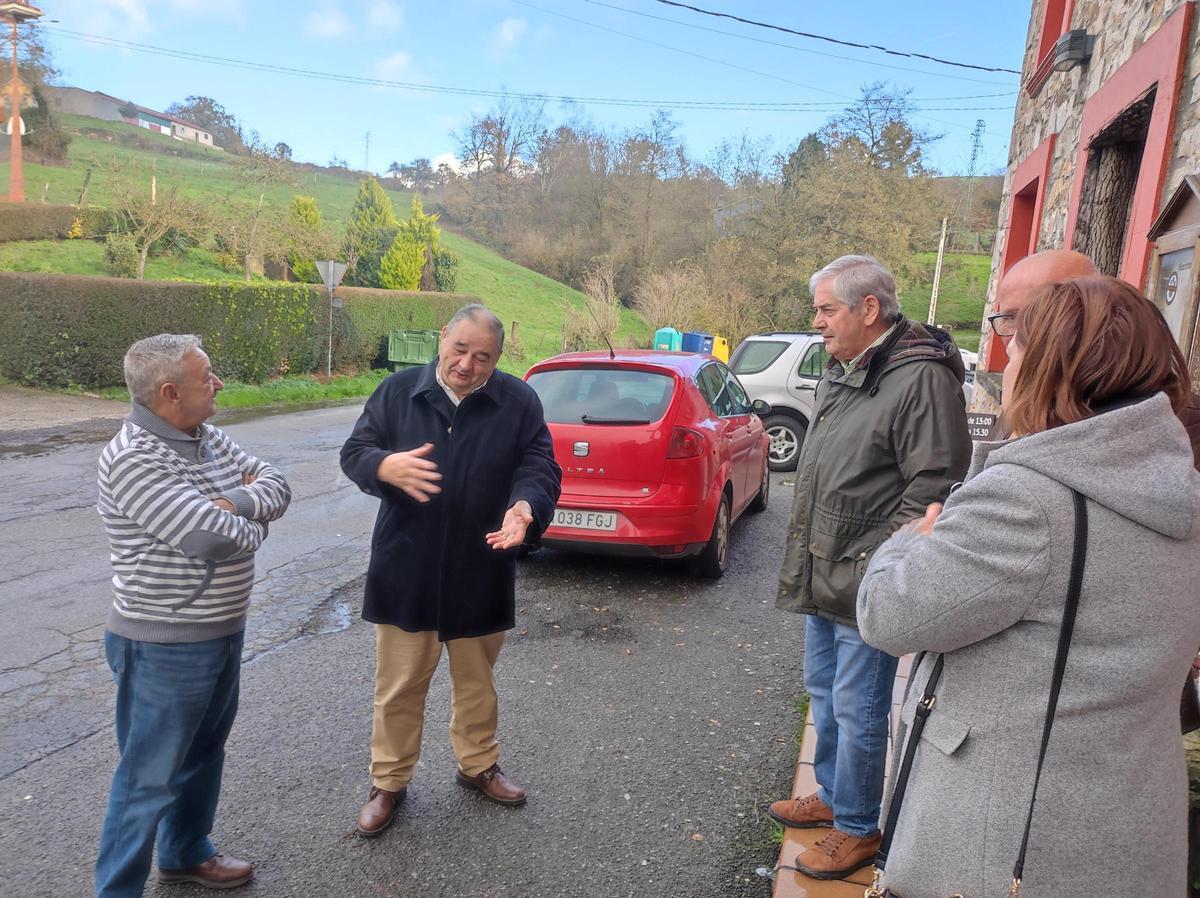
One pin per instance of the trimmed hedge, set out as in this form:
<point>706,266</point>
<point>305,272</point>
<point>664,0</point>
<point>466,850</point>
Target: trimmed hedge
<point>62,330</point>
<point>38,221</point>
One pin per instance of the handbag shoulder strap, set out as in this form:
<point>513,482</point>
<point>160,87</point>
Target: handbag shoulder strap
<point>924,706</point>
<point>1078,557</point>
<point>929,696</point>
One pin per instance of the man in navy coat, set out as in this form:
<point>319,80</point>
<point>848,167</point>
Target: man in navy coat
<point>463,465</point>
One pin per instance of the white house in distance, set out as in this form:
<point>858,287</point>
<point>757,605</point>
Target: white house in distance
<point>93,103</point>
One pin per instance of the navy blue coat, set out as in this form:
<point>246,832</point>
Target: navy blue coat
<point>431,567</point>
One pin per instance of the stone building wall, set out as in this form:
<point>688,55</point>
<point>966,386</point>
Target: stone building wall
<point>1120,28</point>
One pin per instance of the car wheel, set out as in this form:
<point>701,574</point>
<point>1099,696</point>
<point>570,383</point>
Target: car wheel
<point>711,562</point>
<point>759,502</point>
<point>787,437</point>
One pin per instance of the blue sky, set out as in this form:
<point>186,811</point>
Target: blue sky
<point>574,48</point>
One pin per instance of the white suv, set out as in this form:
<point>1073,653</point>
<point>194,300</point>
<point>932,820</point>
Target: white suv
<point>783,370</point>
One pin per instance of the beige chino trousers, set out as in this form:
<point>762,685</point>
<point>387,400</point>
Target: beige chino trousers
<point>404,665</point>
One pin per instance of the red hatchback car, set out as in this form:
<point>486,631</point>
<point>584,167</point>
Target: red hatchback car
<point>661,452</point>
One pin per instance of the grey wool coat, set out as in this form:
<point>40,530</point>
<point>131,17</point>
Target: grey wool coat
<point>987,588</point>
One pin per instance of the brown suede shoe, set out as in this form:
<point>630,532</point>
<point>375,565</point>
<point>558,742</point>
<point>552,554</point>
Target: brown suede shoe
<point>378,813</point>
<point>494,784</point>
<point>802,813</point>
<point>838,855</point>
<point>218,872</point>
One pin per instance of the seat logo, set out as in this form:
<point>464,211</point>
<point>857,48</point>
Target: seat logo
<point>581,448</point>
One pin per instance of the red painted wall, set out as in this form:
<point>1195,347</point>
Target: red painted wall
<point>1158,62</point>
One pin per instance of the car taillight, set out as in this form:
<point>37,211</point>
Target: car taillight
<point>685,443</point>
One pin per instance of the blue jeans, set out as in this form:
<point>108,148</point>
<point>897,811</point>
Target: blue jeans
<point>175,706</point>
<point>849,684</point>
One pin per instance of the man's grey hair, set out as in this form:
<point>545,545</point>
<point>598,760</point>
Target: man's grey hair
<point>857,277</point>
<point>154,361</point>
<point>480,315</point>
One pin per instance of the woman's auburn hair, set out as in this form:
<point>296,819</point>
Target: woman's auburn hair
<point>1088,342</point>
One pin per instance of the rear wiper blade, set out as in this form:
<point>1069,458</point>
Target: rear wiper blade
<point>588,419</point>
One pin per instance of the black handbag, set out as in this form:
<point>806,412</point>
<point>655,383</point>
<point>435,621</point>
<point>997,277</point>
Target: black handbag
<point>929,697</point>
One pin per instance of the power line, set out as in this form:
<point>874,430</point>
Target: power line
<point>717,61</point>
<point>720,62</point>
<point>759,40</point>
<point>834,40</point>
<point>711,105</point>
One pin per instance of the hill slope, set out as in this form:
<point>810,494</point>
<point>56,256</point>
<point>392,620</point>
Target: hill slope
<point>538,305</point>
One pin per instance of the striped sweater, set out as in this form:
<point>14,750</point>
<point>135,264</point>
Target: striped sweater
<point>182,567</point>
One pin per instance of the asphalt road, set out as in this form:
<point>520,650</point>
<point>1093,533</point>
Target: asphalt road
<point>651,715</point>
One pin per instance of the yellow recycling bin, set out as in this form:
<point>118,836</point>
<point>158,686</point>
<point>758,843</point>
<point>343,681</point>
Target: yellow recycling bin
<point>720,349</point>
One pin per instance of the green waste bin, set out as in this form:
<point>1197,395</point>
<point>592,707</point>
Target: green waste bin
<point>408,348</point>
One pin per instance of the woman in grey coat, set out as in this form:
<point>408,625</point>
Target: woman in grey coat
<point>1092,384</point>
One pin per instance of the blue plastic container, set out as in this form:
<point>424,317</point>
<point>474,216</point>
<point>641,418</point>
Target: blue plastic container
<point>694,341</point>
<point>668,339</point>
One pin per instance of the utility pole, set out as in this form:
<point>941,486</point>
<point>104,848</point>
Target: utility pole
<point>15,13</point>
<point>367,154</point>
<point>976,150</point>
<point>937,274</point>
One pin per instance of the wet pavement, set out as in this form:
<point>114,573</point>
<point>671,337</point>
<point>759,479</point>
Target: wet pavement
<point>650,714</point>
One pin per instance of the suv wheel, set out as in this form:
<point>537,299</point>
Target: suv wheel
<point>787,437</point>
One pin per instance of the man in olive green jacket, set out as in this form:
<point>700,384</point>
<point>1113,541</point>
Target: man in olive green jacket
<point>888,438</point>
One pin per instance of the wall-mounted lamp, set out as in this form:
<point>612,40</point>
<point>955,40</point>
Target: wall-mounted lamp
<point>1073,48</point>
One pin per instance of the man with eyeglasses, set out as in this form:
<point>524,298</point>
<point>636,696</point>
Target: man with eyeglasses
<point>1023,281</point>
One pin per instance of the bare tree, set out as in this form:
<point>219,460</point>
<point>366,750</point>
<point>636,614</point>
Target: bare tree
<point>671,297</point>
<point>604,309</point>
<point>881,121</point>
<point>263,169</point>
<point>149,214</point>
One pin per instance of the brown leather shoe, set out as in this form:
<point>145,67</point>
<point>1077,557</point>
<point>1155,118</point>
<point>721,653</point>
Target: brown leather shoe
<point>218,872</point>
<point>802,813</point>
<point>838,855</point>
<point>378,813</point>
<point>494,784</point>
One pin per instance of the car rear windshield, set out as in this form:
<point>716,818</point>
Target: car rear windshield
<point>756,355</point>
<point>603,395</point>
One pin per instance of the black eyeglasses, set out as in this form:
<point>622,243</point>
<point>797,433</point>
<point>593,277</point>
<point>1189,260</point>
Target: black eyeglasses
<point>1003,324</point>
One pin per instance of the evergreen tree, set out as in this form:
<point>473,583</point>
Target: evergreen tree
<point>306,234</point>
<point>400,268</point>
<point>422,228</point>
<point>371,231</point>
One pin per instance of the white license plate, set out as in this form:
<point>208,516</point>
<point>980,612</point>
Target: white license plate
<point>585,520</point>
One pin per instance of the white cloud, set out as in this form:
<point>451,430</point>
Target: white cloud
<point>505,36</point>
<point>327,21</point>
<point>113,18</point>
<point>132,18</point>
<point>385,16</point>
<point>447,159</point>
<point>393,67</point>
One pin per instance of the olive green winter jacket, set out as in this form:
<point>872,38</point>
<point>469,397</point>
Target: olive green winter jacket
<point>885,441</point>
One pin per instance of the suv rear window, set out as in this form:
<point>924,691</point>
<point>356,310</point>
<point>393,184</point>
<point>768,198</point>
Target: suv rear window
<point>756,355</point>
<point>603,395</point>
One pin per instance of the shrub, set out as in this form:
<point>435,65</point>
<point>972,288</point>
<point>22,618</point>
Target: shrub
<point>60,330</point>
<point>35,221</point>
<point>445,271</point>
<point>400,268</point>
<point>121,255</point>
<point>41,221</point>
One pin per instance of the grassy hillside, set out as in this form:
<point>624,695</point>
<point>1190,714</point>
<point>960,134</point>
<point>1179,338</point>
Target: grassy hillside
<point>539,305</point>
<point>961,295</point>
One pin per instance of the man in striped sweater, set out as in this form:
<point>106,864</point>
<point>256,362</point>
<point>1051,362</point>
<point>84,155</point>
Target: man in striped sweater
<point>185,510</point>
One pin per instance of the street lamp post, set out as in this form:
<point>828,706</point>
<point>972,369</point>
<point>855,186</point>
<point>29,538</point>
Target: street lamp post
<point>15,13</point>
